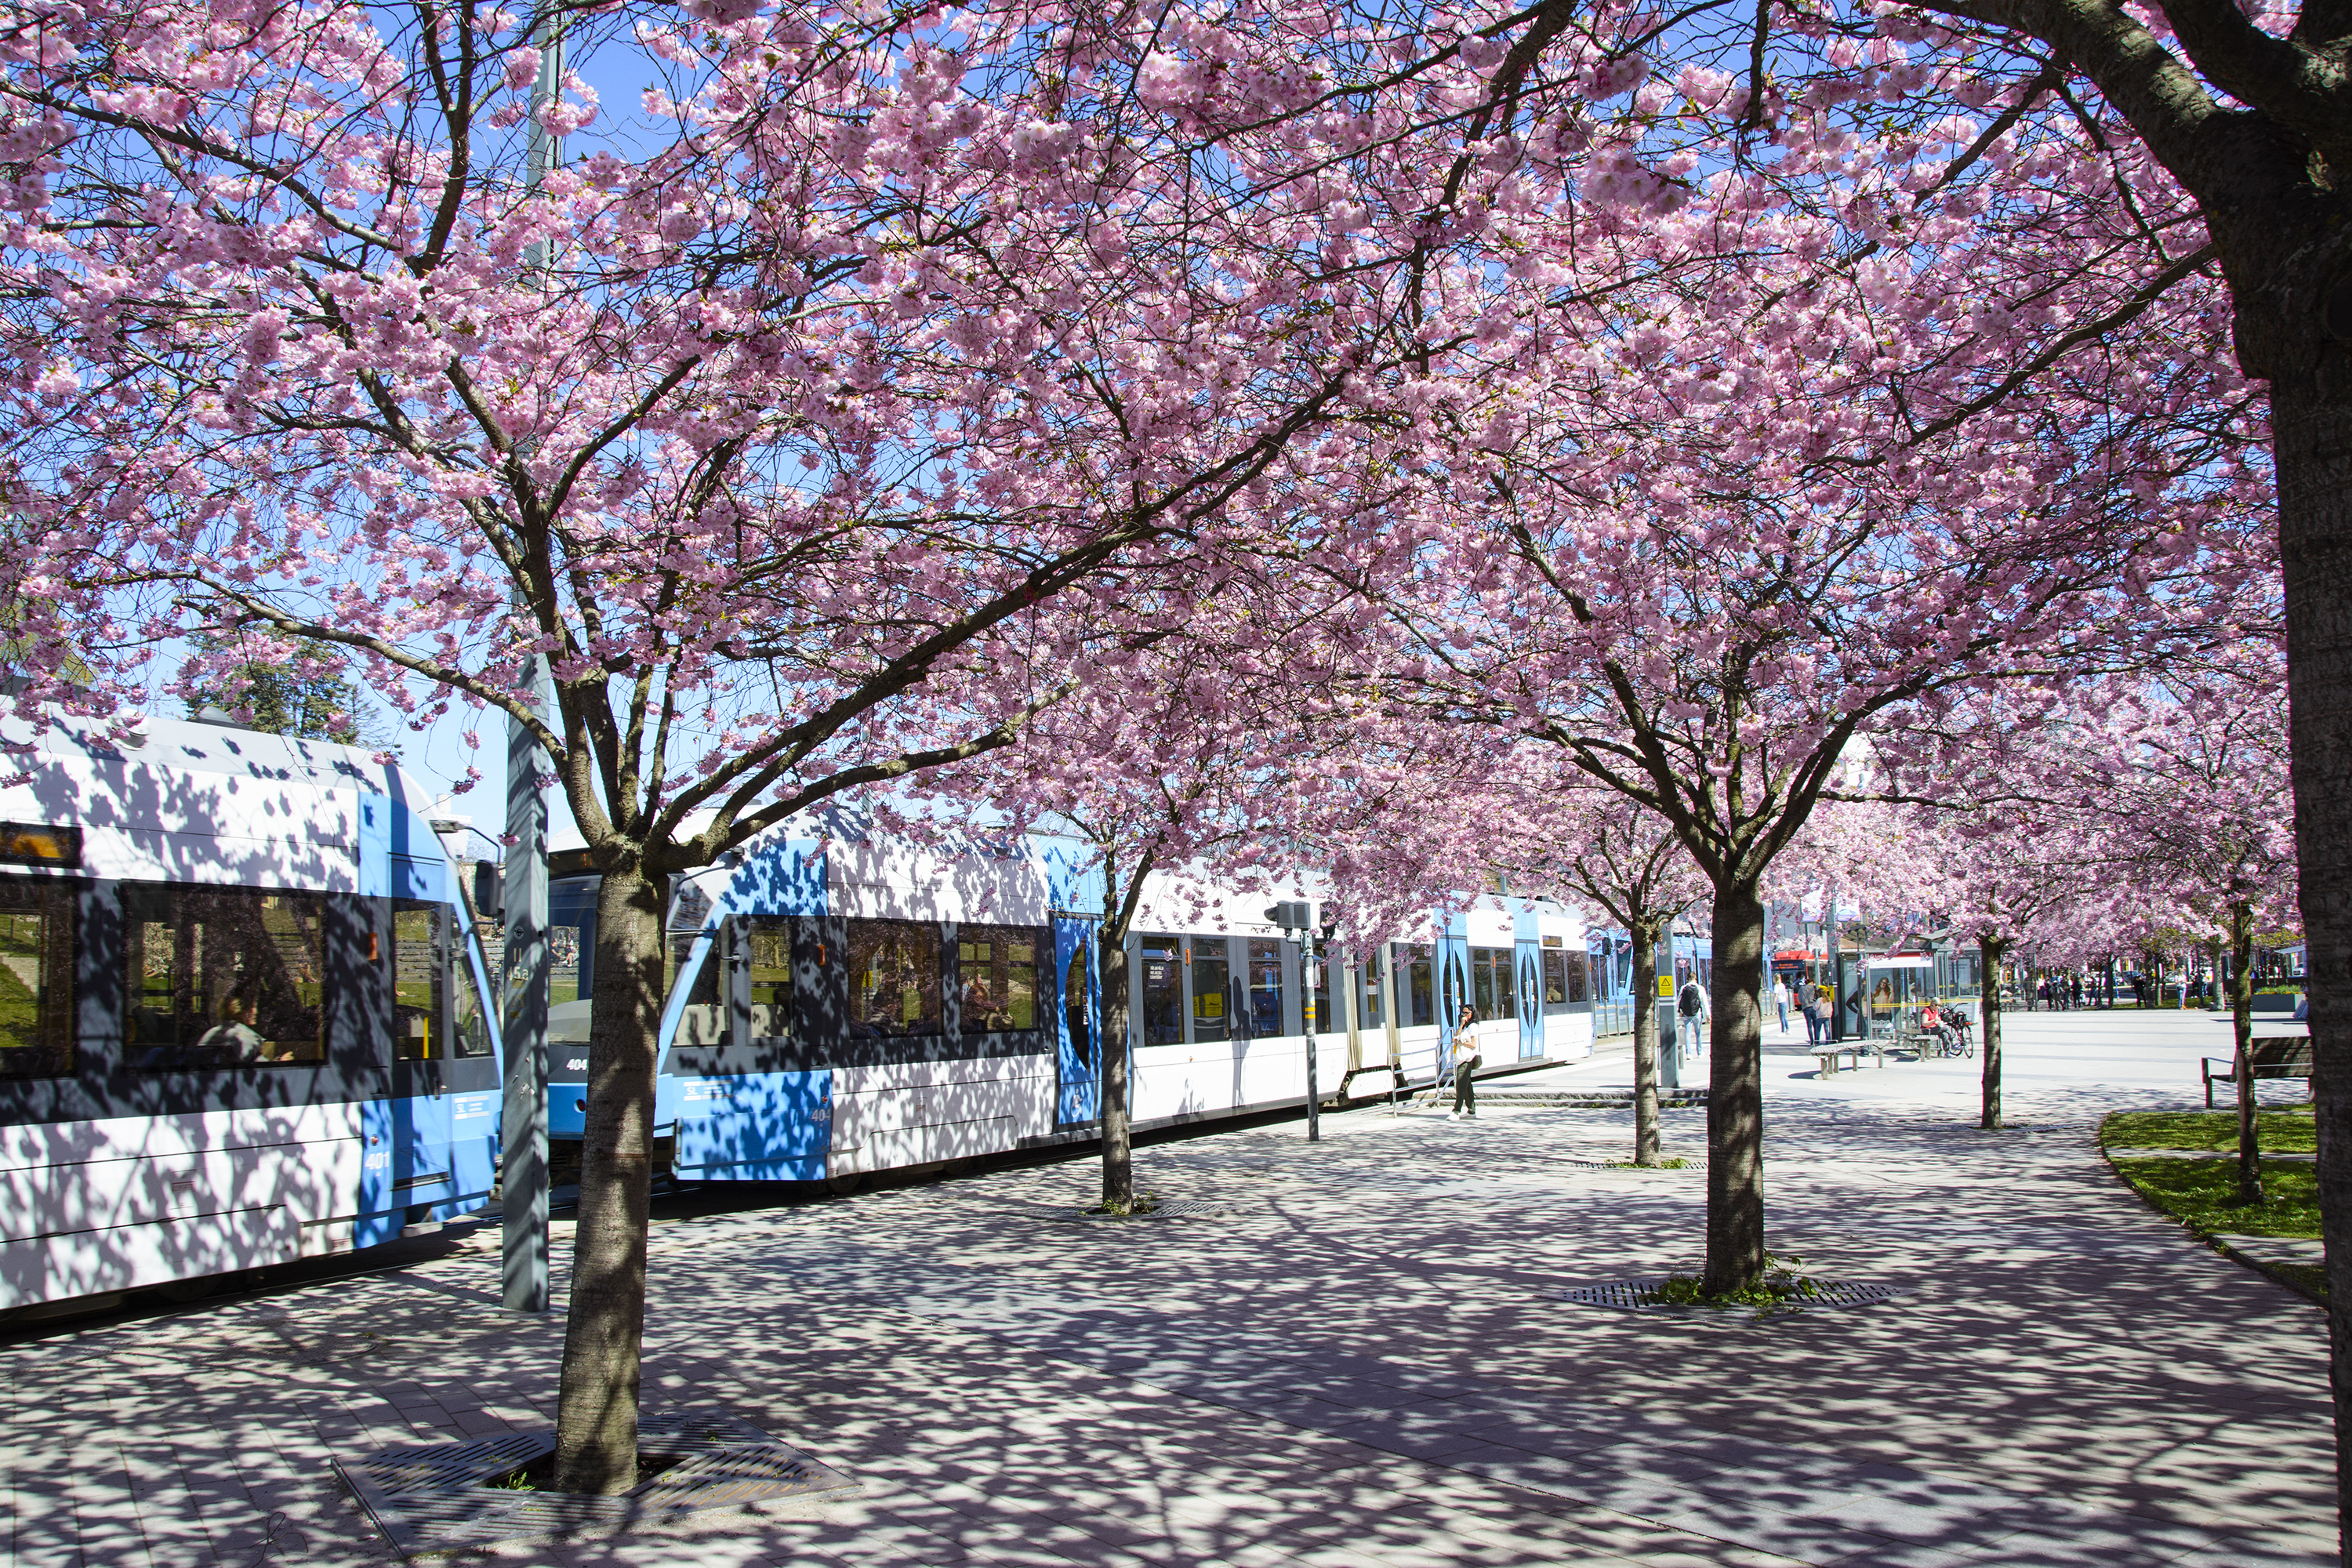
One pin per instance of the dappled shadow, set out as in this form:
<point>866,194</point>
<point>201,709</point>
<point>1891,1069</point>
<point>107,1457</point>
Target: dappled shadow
<point>1366,1358</point>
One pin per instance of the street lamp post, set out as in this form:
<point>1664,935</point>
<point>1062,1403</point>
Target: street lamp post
<point>1298,916</point>
<point>522,896</point>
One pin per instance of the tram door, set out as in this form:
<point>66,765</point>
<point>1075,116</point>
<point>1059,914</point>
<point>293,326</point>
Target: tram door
<point>1079,1030</point>
<point>445,1077</point>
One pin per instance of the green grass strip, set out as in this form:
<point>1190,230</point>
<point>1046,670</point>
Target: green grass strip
<point>2293,1131</point>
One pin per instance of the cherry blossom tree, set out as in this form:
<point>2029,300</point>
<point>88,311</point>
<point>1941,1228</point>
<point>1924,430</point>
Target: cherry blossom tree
<point>2196,804</point>
<point>1704,599</point>
<point>774,424</point>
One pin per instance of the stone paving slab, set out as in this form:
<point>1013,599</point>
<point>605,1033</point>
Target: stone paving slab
<point>1363,1363</point>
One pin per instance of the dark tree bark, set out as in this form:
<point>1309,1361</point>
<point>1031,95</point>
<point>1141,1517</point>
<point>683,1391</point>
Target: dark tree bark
<point>596,1423</point>
<point>1989,952</point>
<point>1119,1048</point>
<point>1117,1144</point>
<point>2241,1025</point>
<point>1646,934</point>
<point>1735,1097</point>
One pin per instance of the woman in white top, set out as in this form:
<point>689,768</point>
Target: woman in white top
<point>1465,1056</point>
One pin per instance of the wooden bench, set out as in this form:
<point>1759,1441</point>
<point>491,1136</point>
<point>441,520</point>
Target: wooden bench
<point>2273,1056</point>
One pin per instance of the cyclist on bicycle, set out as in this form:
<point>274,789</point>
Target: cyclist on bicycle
<point>1931,1022</point>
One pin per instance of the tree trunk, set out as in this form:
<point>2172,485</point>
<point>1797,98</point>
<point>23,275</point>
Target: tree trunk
<point>1735,1097</point>
<point>1645,1041</point>
<point>2311,425</point>
<point>1989,951</point>
<point>1117,1148</point>
<point>596,1415</point>
<point>2242,1025</point>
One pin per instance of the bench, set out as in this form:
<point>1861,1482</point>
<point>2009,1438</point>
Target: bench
<point>2273,1056</point>
<point>1827,1054</point>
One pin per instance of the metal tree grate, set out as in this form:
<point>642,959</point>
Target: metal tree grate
<point>436,1498</point>
<point>1169,1208</point>
<point>1642,1296</point>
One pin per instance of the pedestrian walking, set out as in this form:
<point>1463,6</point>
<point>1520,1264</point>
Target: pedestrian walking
<point>1692,1005</point>
<point>1465,1058</point>
<point>1780,1000</point>
<point>1815,1007</point>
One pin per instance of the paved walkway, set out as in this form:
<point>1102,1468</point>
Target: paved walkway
<point>1365,1364</point>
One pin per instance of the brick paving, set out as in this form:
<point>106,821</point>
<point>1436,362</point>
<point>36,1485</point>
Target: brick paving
<point>1364,1362</point>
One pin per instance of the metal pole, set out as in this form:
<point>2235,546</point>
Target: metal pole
<point>1307,976</point>
<point>522,1177</point>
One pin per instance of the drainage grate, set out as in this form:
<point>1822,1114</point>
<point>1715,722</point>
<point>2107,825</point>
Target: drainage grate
<point>433,1498</point>
<point>1641,1295</point>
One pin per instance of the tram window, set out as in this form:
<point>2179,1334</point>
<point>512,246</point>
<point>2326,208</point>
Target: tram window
<point>1493,973</point>
<point>417,965</point>
<point>1264,987</point>
<point>469,1035</point>
<point>996,967</point>
<point>1416,997</point>
<point>1555,979</point>
<point>704,992</point>
<point>570,942</point>
<point>422,961</point>
<point>1320,1017</point>
<point>768,961</point>
<point>1212,979</point>
<point>894,979</point>
<point>222,977</point>
<point>36,967</point>
<point>1163,991</point>
<point>1371,994</point>
<point>1076,991</point>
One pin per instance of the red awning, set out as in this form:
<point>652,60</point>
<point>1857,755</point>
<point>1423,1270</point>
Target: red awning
<point>1796,956</point>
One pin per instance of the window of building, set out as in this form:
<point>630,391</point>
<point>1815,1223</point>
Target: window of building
<point>222,977</point>
<point>894,979</point>
<point>1163,991</point>
<point>1264,987</point>
<point>1212,981</point>
<point>997,967</point>
<point>1416,990</point>
<point>36,970</point>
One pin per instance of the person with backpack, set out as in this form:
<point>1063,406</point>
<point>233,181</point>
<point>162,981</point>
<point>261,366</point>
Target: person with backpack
<point>1691,1004</point>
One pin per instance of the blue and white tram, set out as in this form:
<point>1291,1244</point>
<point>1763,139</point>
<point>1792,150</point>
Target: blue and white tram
<point>243,1015</point>
<point>840,1006</point>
